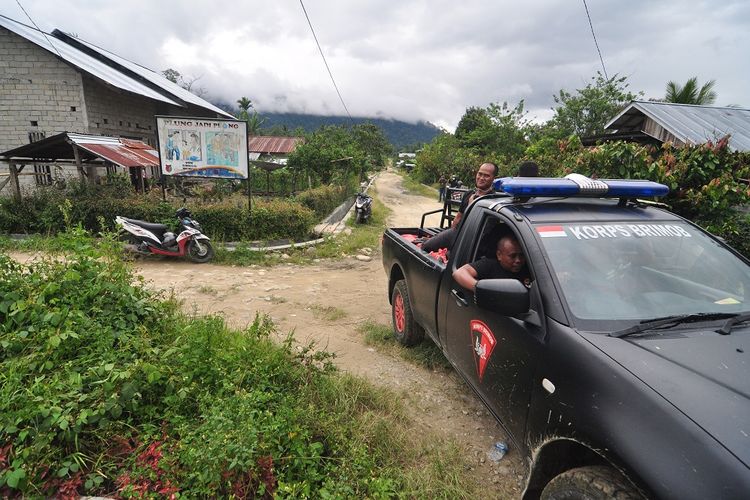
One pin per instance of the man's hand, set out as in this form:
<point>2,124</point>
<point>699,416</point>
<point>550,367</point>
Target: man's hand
<point>456,218</point>
<point>466,276</point>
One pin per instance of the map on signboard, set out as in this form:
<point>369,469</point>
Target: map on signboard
<point>221,149</point>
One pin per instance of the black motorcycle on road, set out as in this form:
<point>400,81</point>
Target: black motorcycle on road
<point>362,208</point>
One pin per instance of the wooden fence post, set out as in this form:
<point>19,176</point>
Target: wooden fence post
<point>14,181</point>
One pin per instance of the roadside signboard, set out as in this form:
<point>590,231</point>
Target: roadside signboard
<point>202,147</point>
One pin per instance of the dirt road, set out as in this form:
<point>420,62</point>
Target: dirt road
<point>297,297</point>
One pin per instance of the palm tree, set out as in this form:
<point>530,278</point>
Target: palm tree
<point>245,104</point>
<point>690,93</point>
<point>254,123</point>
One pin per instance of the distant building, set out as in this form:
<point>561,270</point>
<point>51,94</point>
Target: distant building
<point>271,149</point>
<point>52,83</point>
<point>658,122</point>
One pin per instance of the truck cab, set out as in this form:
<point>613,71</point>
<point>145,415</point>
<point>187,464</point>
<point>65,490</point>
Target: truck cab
<point>622,368</point>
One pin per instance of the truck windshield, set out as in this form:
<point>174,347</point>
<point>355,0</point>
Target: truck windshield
<point>626,271</point>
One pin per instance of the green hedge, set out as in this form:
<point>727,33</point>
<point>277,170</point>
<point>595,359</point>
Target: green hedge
<point>324,199</point>
<point>40,213</point>
<point>707,182</point>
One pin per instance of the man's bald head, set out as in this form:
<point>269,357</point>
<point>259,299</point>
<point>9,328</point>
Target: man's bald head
<point>509,254</point>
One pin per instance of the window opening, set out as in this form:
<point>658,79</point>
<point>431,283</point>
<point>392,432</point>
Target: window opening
<point>42,175</point>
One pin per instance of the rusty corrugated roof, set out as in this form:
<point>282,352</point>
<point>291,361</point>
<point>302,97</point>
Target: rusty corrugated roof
<point>272,144</point>
<point>123,152</point>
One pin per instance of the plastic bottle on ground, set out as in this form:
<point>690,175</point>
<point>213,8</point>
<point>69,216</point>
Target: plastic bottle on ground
<point>498,451</point>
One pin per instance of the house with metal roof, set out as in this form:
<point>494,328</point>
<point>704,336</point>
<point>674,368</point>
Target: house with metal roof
<point>51,83</point>
<point>271,152</point>
<point>680,124</point>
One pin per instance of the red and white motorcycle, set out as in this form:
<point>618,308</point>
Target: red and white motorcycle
<point>149,238</point>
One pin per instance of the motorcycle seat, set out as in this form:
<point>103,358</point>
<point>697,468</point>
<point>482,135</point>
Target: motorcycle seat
<point>157,229</point>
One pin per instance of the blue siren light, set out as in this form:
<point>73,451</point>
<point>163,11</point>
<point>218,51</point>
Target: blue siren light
<point>579,185</point>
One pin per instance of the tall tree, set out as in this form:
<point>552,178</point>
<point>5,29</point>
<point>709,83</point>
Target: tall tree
<point>187,83</point>
<point>691,93</point>
<point>330,155</point>
<point>586,111</point>
<point>496,131</point>
<point>371,140</point>
<point>254,121</point>
<point>511,125</point>
<point>473,119</point>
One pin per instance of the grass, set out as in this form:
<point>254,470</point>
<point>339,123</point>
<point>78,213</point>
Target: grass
<point>108,389</point>
<point>415,187</point>
<point>35,243</point>
<point>425,354</point>
<point>207,290</point>
<point>328,313</point>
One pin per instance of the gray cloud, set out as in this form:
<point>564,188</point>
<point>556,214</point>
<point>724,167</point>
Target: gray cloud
<point>416,59</point>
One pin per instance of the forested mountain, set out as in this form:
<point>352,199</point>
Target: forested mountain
<point>398,133</point>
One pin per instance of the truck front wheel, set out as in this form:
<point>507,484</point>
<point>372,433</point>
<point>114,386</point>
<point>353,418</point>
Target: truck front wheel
<point>405,329</point>
<point>590,483</point>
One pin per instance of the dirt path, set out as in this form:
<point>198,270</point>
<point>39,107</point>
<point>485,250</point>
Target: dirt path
<point>296,297</point>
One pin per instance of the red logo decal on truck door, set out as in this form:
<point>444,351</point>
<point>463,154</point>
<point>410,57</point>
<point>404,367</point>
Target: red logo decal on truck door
<point>483,342</point>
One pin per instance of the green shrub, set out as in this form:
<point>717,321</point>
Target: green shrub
<point>107,388</point>
<point>708,182</point>
<point>324,199</point>
<point>37,213</point>
<point>737,233</point>
<point>91,205</point>
<point>268,220</point>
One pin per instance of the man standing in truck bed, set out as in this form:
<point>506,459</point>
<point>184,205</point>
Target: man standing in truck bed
<point>485,175</point>
<point>484,178</point>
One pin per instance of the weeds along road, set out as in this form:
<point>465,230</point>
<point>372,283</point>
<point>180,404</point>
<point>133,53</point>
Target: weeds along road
<point>327,303</point>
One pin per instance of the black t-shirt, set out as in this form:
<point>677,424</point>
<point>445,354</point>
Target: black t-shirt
<point>465,199</point>
<point>488,269</point>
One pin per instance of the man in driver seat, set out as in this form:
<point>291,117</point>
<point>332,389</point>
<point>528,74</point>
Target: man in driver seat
<point>509,262</point>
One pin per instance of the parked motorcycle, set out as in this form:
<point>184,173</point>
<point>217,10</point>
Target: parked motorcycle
<point>362,208</point>
<point>149,238</point>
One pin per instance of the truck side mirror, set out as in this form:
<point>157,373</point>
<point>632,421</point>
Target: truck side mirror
<point>508,297</point>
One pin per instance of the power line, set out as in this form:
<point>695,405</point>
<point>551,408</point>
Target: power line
<point>595,42</point>
<point>325,62</point>
<point>37,27</point>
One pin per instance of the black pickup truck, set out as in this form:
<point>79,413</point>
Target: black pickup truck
<point>623,371</point>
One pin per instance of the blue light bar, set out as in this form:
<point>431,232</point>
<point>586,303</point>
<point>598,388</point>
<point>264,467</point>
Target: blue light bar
<point>580,186</point>
<point>631,189</point>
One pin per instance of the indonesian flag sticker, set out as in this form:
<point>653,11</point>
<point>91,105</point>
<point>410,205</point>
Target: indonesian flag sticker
<point>483,342</point>
<point>551,231</point>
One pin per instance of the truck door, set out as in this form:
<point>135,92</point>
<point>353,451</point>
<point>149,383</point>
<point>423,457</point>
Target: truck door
<point>496,354</point>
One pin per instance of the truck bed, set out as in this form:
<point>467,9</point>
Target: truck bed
<point>422,271</point>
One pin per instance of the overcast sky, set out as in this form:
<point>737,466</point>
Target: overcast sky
<point>415,59</point>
